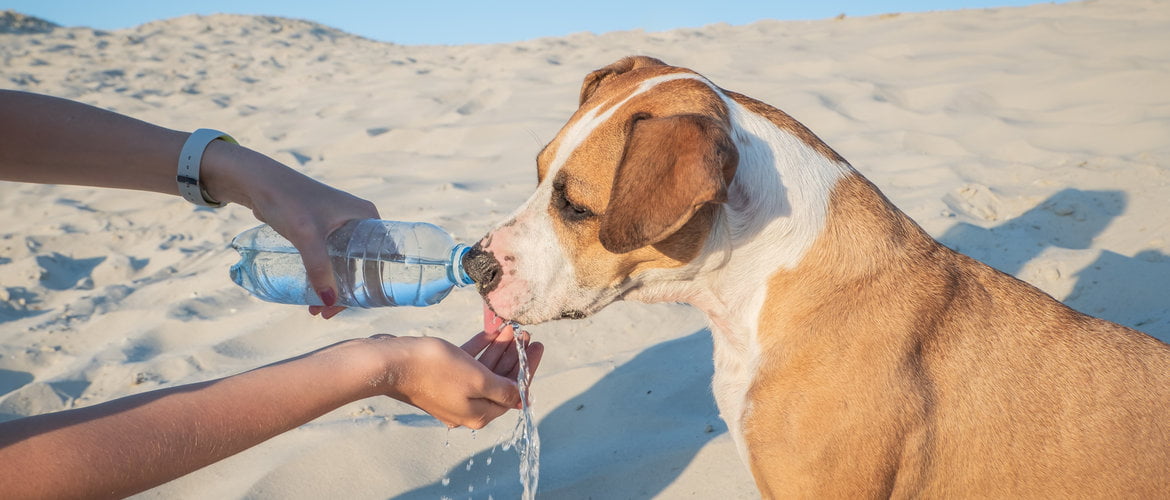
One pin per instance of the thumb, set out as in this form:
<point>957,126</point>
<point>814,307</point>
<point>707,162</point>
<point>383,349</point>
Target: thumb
<point>319,270</point>
<point>502,391</point>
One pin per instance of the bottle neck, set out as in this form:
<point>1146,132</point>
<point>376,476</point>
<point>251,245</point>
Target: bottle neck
<point>457,273</point>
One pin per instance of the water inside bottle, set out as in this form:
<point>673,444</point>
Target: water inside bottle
<point>278,275</point>
<point>274,275</point>
<point>375,264</point>
<point>399,281</point>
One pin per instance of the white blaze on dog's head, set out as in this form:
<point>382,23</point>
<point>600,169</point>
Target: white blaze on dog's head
<point>630,183</point>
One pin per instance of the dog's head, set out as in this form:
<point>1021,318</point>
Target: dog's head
<point>631,183</point>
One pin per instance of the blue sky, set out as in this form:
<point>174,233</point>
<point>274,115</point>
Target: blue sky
<point>482,21</point>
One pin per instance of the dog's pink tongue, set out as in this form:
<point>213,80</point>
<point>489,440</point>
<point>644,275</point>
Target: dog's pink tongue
<point>491,322</point>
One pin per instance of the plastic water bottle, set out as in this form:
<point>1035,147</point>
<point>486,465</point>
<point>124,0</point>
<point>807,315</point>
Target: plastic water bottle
<point>376,263</point>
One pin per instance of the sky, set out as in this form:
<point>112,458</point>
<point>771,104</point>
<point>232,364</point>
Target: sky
<point>452,22</point>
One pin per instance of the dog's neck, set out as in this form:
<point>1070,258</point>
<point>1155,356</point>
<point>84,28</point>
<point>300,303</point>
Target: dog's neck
<point>777,206</point>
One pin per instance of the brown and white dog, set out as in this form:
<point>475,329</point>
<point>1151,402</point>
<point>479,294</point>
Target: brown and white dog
<point>854,355</point>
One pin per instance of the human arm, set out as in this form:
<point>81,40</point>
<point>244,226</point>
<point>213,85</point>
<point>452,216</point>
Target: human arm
<point>131,444</point>
<point>50,140</point>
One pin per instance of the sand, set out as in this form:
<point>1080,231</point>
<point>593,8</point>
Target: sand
<point>1036,139</point>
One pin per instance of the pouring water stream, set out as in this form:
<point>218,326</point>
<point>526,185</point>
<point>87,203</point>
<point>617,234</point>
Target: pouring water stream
<point>525,437</point>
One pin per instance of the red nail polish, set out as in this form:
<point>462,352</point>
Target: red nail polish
<point>328,296</point>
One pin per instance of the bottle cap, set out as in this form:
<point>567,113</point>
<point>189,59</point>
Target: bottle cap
<point>458,273</point>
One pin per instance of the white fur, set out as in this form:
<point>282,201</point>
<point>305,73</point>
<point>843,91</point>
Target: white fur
<point>789,217</point>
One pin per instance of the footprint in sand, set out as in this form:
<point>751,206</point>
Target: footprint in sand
<point>206,307</point>
<point>33,399</point>
<point>18,302</point>
<point>298,156</point>
<point>376,131</point>
<point>59,272</point>
<point>975,200</point>
<point>11,380</point>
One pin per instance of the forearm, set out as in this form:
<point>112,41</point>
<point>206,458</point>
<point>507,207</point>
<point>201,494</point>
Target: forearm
<point>57,141</point>
<point>49,140</point>
<point>131,444</point>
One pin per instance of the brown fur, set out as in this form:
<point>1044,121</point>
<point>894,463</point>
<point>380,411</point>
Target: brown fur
<point>894,366</point>
<point>787,123</point>
<point>606,173</point>
<point>624,65</point>
<point>689,159</point>
<point>890,366</point>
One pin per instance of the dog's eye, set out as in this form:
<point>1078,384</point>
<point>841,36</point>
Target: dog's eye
<point>568,210</point>
<point>574,212</point>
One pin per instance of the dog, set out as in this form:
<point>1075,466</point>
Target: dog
<point>855,356</point>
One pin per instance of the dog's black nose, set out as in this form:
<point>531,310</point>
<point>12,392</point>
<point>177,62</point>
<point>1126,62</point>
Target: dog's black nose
<point>483,268</point>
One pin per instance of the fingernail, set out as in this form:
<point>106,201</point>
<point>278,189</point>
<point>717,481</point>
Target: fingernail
<point>328,296</point>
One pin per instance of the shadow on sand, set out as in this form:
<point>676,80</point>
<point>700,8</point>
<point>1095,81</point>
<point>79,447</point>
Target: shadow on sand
<point>1131,291</point>
<point>662,399</point>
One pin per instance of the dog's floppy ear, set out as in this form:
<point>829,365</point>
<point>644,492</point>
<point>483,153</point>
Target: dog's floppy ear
<point>671,167</point>
<point>623,65</point>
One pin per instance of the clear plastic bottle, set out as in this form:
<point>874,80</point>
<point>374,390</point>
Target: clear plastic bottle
<point>376,263</point>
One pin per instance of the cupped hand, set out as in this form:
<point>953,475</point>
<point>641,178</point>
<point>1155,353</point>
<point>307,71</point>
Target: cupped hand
<point>495,347</point>
<point>450,383</point>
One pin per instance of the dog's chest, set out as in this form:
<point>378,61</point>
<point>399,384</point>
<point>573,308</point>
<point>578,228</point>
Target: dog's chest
<point>734,371</point>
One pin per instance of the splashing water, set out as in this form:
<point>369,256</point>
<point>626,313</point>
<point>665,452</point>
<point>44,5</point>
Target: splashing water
<point>524,436</point>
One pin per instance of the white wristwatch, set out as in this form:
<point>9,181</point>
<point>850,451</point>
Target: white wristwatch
<point>189,159</point>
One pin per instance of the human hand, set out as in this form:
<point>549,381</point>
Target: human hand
<point>447,381</point>
<point>500,355</point>
<point>298,207</point>
<point>306,212</point>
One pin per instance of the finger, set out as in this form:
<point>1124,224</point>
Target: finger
<point>479,342</point>
<point>535,354</point>
<point>492,412</point>
<point>329,312</point>
<point>479,414</point>
<point>497,350</point>
<point>509,362</point>
<point>319,270</point>
<point>502,391</point>
<point>514,369</point>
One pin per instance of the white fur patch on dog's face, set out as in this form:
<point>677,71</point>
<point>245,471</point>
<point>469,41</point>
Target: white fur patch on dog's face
<point>552,264</point>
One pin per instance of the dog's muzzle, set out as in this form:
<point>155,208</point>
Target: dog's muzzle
<point>483,268</point>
